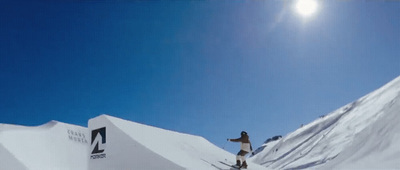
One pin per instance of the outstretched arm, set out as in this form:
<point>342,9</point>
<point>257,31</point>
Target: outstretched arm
<point>236,140</point>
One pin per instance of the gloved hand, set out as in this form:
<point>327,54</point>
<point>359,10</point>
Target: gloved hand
<point>252,153</point>
<point>228,139</point>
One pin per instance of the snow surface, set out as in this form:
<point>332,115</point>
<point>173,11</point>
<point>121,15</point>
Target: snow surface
<point>364,134</point>
<point>51,146</point>
<point>132,145</point>
<point>128,145</point>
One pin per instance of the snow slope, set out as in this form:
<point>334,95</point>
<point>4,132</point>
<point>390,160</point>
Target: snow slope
<point>108,143</point>
<point>130,145</point>
<point>51,146</point>
<point>364,134</point>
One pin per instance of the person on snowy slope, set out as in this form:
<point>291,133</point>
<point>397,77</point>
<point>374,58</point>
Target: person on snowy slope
<point>245,148</point>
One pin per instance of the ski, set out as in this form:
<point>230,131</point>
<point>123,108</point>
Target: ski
<point>232,166</point>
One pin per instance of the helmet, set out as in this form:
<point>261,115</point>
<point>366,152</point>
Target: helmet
<point>243,133</point>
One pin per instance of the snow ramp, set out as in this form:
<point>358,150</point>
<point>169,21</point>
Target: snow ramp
<point>121,144</point>
<point>51,146</point>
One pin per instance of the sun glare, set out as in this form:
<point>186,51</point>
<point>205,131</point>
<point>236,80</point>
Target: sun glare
<point>306,7</point>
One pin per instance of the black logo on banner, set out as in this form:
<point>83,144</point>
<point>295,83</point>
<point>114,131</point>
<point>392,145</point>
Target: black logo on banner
<point>98,143</point>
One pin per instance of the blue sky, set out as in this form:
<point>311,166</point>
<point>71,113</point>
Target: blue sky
<point>209,68</point>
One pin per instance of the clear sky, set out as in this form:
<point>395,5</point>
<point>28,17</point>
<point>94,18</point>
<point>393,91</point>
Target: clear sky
<point>208,68</point>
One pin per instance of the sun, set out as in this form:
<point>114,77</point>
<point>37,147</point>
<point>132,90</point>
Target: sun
<point>306,7</point>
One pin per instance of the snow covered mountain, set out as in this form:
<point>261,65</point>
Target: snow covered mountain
<point>364,134</point>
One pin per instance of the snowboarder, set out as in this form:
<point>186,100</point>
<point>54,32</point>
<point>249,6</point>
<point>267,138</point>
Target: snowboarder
<point>245,148</point>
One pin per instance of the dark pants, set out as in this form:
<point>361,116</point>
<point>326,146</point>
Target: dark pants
<point>241,157</point>
<point>242,153</point>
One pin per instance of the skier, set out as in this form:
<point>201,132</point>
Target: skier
<point>245,148</point>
